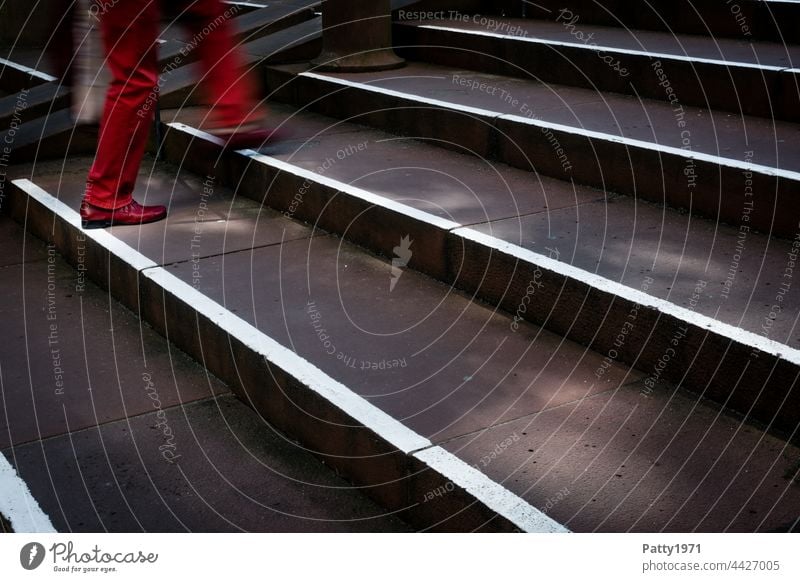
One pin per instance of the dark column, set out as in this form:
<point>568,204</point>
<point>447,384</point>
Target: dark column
<point>357,36</point>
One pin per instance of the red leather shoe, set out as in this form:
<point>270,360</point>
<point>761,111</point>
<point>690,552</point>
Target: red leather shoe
<point>252,138</point>
<point>133,213</point>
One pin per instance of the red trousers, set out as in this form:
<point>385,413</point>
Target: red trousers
<point>130,29</point>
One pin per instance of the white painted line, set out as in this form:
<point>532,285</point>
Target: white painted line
<point>27,70</point>
<point>496,497</point>
<point>736,334</point>
<point>629,142</point>
<point>635,143</point>
<point>247,4</point>
<point>18,505</point>
<point>101,236</point>
<point>605,49</point>
<point>353,191</point>
<point>486,491</point>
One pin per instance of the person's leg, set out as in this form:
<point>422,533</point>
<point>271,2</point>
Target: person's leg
<point>236,115</point>
<point>228,88</point>
<point>130,30</point>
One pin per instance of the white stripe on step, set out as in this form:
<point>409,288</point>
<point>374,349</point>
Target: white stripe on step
<point>606,49</point>
<point>18,505</point>
<point>27,70</point>
<point>496,497</point>
<point>544,125</point>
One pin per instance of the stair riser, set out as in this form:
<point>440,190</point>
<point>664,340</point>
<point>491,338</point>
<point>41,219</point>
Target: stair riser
<point>399,481</point>
<point>37,102</point>
<point>724,193</point>
<point>737,88</point>
<point>105,269</point>
<point>50,137</point>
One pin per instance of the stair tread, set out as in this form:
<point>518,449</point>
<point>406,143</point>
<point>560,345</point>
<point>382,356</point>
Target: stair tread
<point>746,19</point>
<point>233,474</point>
<point>729,136</point>
<point>760,53</point>
<point>642,461</point>
<point>48,382</point>
<point>210,217</point>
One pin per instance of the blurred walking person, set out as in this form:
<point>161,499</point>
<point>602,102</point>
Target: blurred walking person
<point>130,30</point>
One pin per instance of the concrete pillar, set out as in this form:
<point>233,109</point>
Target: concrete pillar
<point>357,36</point>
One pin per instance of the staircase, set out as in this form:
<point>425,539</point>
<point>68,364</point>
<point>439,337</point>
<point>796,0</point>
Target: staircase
<point>539,279</point>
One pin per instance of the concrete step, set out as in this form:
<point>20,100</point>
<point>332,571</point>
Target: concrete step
<point>441,366</point>
<point>613,144</point>
<point>772,20</point>
<point>622,462</point>
<point>749,78</point>
<point>234,473</point>
<point>297,42</point>
<point>113,428</point>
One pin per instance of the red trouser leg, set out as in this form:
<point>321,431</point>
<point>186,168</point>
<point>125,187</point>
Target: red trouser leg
<point>228,89</point>
<point>130,30</point>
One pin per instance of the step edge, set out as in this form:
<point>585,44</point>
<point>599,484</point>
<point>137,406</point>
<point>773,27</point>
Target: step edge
<point>542,124</point>
<point>494,495</point>
<point>359,408</point>
<point>608,49</point>
<point>354,191</point>
<point>43,77</point>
